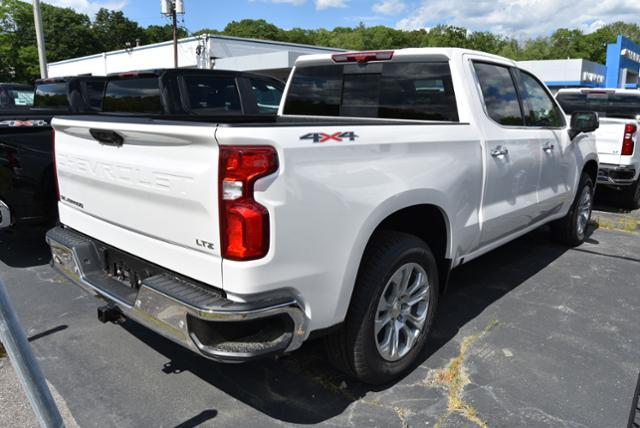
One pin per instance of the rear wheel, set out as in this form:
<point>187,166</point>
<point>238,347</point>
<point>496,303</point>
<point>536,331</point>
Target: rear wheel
<point>632,196</point>
<point>571,230</point>
<point>391,310</point>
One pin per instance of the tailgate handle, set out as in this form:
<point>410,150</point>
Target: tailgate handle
<point>109,138</point>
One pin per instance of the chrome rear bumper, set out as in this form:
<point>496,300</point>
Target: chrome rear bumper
<point>5,215</point>
<point>184,311</point>
<point>616,175</point>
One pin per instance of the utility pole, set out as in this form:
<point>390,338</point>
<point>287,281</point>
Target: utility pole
<point>173,8</point>
<point>175,35</point>
<point>42,55</point>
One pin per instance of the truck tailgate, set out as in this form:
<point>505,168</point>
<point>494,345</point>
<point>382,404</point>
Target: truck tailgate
<point>609,139</point>
<point>154,195</point>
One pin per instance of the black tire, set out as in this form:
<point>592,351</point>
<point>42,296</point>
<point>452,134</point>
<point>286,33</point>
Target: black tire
<point>566,230</point>
<point>632,196</point>
<point>353,348</point>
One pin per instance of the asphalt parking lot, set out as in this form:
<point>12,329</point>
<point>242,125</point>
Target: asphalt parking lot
<point>532,334</point>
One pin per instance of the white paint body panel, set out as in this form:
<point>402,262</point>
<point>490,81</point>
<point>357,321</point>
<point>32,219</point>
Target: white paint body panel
<point>325,200</point>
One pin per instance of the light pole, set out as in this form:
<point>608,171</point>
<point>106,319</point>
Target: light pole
<point>42,55</point>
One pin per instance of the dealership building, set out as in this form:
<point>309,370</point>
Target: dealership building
<point>205,51</point>
<point>620,71</point>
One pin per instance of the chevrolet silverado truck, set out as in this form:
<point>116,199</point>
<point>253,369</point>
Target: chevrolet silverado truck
<point>616,138</point>
<point>341,217</point>
<point>27,181</point>
<point>27,191</point>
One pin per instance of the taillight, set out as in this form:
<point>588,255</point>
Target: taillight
<point>244,223</point>
<point>361,57</point>
<point>627,142</point>
<point>55,167</point>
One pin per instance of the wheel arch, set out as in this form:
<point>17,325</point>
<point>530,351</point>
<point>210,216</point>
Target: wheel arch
<point>401,213</point>
<point>591,168</point>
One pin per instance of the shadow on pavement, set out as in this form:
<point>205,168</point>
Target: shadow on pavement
<point>24,247</point>
<point>198,419</point>
<point>609,200</point>
<point>303,388</point>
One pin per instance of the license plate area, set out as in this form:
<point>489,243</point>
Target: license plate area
<point>126,269</point>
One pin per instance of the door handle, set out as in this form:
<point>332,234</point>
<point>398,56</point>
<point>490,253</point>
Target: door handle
<point>548,146</point>
<point>499,151</point>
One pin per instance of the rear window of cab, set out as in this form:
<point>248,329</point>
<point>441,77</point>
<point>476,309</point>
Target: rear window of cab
<point>411,90</point>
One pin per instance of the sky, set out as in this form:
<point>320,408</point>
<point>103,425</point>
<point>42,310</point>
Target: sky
<point>516,18</point>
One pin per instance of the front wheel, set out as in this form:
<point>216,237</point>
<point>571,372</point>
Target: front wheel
<point>571,229</point>
<point>391,310</point>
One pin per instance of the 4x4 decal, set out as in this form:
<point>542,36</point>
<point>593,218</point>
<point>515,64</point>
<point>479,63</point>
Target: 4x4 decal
<point>323,137</point>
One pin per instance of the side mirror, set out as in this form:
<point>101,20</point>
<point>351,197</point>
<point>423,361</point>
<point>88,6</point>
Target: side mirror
<point>583,121</point>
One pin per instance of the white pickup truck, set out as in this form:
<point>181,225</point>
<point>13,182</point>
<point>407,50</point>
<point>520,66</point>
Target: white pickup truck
<point>616,139</point>
<point>242,237</point>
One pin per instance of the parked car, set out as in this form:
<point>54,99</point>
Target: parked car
<point>342,216</point>
<point>616,139</point>
<point>27,180</point>
<point>15,96</point>
<point>27,191</point>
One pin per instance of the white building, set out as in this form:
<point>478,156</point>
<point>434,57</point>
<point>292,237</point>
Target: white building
<point>205,51</point>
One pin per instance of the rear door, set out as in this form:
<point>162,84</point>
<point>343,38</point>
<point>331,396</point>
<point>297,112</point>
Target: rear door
<point>145,186</point>
<point>512,156</point>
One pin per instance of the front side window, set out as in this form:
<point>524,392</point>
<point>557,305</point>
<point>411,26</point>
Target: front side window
<point>540,110</point>
<point>268,95</point>
<point>414,91</point>
<point>211,95</point>
<point>499,93</point>
<point>51,96</point>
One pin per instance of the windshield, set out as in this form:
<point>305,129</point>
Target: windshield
<point>51,95</point>
<point>606,104</point>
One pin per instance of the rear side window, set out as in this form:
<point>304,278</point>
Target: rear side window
<point>51,96</point>
<point>268,95</point>
<point>133,95</point>
<point>210,95</point>
<point>499,93</point>
<point>418,91</point>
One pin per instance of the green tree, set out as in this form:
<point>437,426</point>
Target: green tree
<point>254,29</point>
<point>67,34</point>
<point>115,31</point>
<point>161,33</point>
